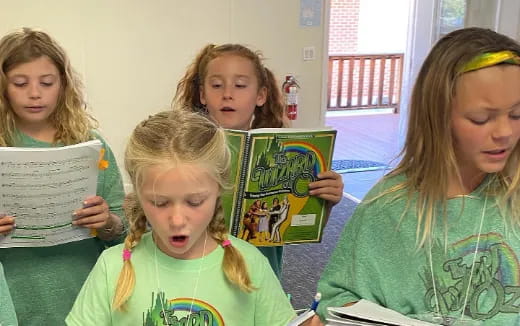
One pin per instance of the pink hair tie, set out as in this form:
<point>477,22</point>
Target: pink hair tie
<point>226,243</point>
<point>126,254</point>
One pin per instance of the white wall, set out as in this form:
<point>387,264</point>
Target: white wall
<point>383,26</point>
<point>481,13</point>
<point>499,15</point>
<point>131,53</point>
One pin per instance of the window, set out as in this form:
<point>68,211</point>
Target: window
<point>452,15</point>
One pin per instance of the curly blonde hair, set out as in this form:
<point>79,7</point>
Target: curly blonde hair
<point>187,97</point>
<point>72,122</point>
<point>167,139</point>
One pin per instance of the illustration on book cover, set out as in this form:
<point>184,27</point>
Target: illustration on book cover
<point>274,206</point>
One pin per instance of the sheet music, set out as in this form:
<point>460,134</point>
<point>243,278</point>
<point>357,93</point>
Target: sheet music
<point>42,187</point>
<point>365,312</point>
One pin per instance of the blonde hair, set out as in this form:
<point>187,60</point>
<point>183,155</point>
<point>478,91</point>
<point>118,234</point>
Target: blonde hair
<point>270,115</point>
<point>168,139</point>
<point>72,122</point>
<point>428,154</point>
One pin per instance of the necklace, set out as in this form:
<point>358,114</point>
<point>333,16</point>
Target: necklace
<point>196,280</point>
<point>447,320</point>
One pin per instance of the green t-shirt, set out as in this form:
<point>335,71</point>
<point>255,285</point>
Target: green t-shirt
<point>377,259</point>
<point>163,282</point>
<point>44,281</point>
<point>7,314</point>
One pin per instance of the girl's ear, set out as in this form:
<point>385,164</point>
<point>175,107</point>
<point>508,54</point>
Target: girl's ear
<point>261,97</point>
<point>202,98</point>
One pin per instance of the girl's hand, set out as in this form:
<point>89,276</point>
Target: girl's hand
<point>94,214</point>
<point>315,321</point>
<point>328,187</point>
<point>6,224</point>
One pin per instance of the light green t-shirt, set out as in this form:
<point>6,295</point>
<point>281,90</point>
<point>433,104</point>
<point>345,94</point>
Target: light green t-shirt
<point>7,314</point>
<point>377,259</point>
<point>176,288</point>
<point>44,281</point>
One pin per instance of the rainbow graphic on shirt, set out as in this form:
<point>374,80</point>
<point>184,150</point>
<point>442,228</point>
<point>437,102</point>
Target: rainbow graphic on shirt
<point>508,264</point>
<point>181,311</point>
<point>481,271</point>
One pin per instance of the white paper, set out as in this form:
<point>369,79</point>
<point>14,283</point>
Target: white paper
<point>303,219</point>
<point>42,187</point>
<point>342,322</point>
<point>373,313</point>
<point>303,317</point>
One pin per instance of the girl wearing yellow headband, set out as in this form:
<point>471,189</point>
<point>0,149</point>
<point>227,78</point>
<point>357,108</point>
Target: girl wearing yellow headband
<point>438,238</point>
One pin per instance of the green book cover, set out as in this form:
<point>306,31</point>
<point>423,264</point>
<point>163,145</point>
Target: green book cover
<point>268,203</point>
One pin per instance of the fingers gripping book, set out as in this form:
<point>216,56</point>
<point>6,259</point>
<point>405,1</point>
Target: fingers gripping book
<point>269,202</point>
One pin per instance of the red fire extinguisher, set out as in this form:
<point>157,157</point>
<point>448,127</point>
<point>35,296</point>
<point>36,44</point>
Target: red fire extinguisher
<point>290,90</point>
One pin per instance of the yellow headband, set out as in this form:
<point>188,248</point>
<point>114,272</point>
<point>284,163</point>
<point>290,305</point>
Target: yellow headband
<point>490,59</point>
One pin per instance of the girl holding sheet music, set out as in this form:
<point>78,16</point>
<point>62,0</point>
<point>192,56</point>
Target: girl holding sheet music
<point>41,105</point>
<point>230,84</point>
<point>438,238</point>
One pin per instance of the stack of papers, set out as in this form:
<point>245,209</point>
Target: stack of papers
<point>366,313</point>
<point>301,318</point>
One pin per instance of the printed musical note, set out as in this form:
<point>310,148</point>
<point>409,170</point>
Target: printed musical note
<point>74,169</point>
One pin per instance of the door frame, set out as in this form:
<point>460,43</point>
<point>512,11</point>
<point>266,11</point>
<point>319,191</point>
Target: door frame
<point>422,28</point>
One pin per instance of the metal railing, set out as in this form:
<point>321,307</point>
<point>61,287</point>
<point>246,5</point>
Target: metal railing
<point>364,81</point>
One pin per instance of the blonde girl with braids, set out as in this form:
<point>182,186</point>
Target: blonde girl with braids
<point>188,270</point>
<point>231,85</point>
<point>438,239</point>
<point>42,105</point>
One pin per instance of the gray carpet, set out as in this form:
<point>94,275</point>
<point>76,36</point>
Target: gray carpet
<point>304,263</point>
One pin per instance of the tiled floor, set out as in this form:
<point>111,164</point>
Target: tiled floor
<point>366,137</point>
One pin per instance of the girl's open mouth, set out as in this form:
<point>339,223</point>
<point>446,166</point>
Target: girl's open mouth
<point>179,240</point>
<point>227,109</point>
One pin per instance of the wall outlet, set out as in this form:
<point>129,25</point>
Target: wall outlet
<point>309,53</point>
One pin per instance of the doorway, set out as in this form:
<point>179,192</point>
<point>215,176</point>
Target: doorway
<point>367,42</point>
<point>374,134</point>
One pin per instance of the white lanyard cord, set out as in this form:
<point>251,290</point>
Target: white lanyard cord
<point>165,317</point>
<point>472,265</point>
<point>474,257</point>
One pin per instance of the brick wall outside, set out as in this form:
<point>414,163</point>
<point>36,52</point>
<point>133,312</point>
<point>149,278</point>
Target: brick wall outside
<point>343,30</point>
<point>343,39</point>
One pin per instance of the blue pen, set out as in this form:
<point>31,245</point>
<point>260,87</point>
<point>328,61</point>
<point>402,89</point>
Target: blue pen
<point>316,301</point>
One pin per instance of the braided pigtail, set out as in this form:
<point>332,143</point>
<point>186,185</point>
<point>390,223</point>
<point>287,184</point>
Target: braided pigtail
<point>126,280</point>
<point>233,264</point>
